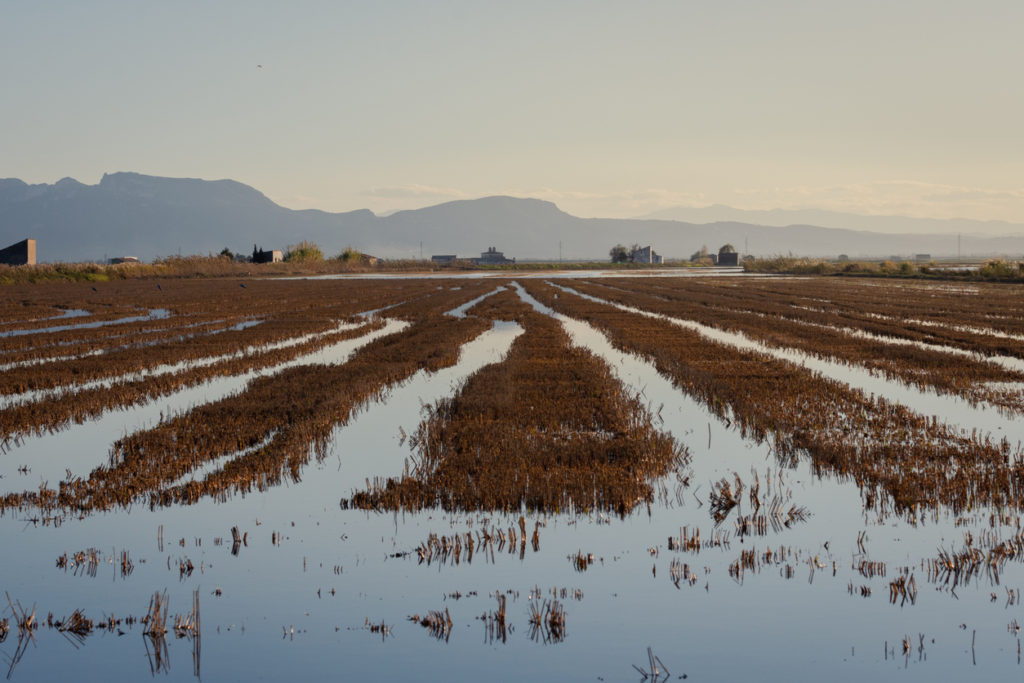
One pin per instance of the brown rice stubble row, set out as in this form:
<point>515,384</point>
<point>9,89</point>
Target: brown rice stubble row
<point>56,411</point>
<point>78,406</point>
<point>882,446</point>
<point>943,372</point>
<point>982,305</point>
<point>281,322</point>
<point>914,314</point>
<point>548,429</point>
<point>975,304</point>
<point>283,418</point>
<point>315,400</point>
<point>200,300</point>
<point>84,340</point>
<point>68,373</point>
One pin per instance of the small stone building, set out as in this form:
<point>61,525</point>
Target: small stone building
<point>259,255</point>
<point>647,255</point>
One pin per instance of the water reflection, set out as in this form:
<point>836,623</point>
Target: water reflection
<point>153,314</point>
<point>77,450</point>
<point>714,599</point>
<point>959,413</point>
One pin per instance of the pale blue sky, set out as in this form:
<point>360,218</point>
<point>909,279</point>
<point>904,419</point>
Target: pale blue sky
<point>606,108</point>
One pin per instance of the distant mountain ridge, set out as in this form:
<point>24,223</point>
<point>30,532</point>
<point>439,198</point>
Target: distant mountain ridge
<point>150,216</point>
<point>837,219</point>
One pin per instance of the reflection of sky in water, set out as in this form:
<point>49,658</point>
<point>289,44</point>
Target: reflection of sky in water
<point>170,368</point>
<point>81,448</point>
<point>245,324</point>
<point>952,410</point>
<point>557,274</point>
<point>768,627</point>
<point>153,314</point>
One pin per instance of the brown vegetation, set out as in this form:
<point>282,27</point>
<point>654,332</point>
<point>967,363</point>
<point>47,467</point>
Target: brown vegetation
<point>915,460</point>
<point>832,320</point>
<point>547,429</point>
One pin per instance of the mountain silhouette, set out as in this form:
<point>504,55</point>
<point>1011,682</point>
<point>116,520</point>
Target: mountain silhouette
<point>150,216</point>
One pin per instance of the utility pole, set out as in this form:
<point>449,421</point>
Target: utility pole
<point>958,246</point>
<point>559,251</point>
<point>421,251</point>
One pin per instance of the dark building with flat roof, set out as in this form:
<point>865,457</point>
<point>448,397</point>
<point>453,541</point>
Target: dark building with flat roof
<point>261,255</point>
<point>728,256</point>
<point>22,253</point>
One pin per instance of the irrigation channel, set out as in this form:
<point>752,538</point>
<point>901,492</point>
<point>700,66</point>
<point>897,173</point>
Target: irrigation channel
<point>587,477</point>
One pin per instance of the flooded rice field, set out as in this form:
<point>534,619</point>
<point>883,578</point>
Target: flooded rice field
<point>587,478</point>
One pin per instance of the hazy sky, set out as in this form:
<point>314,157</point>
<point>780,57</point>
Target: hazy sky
<point>607,108</point>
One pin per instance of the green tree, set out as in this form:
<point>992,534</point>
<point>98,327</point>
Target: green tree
<point>619,254</point>
<point>350,254</point>
<point>303,251</point>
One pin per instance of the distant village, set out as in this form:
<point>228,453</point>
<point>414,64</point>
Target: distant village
<point>24,253</point>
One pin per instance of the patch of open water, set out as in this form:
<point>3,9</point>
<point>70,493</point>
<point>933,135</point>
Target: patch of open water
<point>296,597</point>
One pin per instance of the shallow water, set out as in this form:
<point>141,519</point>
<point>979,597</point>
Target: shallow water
<point>245,324</point>
<point>153,314</point>
<point>954,411</point>
<point>171,368</point>
<point>78,449</point>
<point>296,597</point>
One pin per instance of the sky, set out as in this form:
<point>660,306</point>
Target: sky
<point>615,109</point>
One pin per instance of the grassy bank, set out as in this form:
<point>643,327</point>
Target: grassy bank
<point>994,270</point>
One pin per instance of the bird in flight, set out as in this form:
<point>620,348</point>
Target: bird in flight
<point>259,66</point>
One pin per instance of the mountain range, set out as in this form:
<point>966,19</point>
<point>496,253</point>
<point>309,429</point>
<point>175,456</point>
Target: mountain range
<point>150,216</point>
<point>836,219</point>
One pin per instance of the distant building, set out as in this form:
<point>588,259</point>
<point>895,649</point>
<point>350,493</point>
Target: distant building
<point>443,259</point>
<point>22,253</point>
<point>922,257</point>
<point>646,255</point>
<point>843,258</point>
<point>492,257</point>
<point>124,259</point>
<point>259,255</point>
<point>728,256</point>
